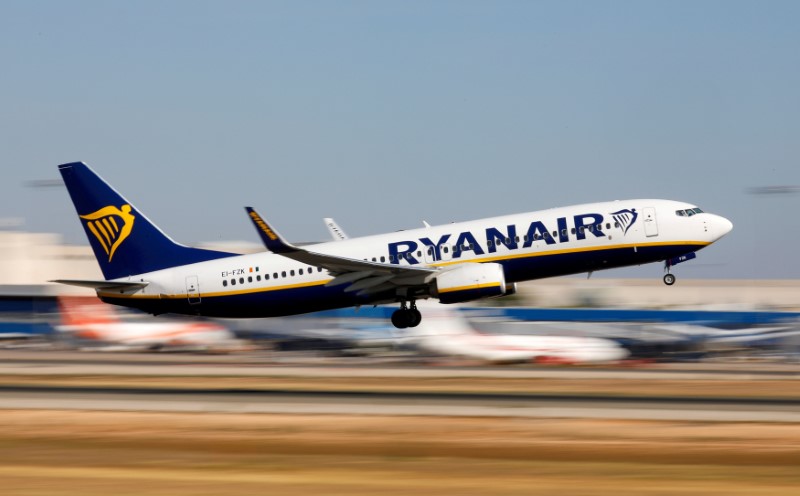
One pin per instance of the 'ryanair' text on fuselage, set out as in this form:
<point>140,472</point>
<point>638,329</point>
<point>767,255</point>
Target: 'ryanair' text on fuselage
<point>466,241</point>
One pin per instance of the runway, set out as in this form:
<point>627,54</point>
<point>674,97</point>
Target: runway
<point>400,403</point>
<point>285,383</point>
<point>266,364</point>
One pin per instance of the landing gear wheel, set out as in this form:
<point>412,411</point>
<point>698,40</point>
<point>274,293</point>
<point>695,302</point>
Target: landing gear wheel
<point>415,317</point>
<point>400,318</point>
<point>669,279</point>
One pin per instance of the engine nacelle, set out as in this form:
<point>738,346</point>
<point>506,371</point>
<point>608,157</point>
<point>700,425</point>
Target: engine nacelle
<point>470,282</point>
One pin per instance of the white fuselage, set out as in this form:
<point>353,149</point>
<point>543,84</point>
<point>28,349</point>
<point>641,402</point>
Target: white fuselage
<point>547,243</point>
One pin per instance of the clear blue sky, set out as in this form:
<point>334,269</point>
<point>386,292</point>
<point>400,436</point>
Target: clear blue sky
<point>382,114</point>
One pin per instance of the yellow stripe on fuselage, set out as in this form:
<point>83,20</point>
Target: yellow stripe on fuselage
<point>497,258</point>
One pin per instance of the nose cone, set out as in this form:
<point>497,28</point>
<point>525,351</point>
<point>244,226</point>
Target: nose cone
<point>720,226</point>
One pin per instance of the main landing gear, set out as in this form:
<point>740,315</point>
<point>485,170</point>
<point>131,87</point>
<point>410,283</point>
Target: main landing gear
<point>406,317</point>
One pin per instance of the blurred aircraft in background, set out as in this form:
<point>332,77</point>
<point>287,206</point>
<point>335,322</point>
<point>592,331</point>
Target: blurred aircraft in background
<point>750,337</point>
<point>88,319</point>
<point>447,332</point>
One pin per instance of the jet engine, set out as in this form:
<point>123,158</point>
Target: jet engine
<point>471,282</point>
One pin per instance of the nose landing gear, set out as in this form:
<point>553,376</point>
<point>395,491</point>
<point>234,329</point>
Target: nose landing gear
<point>669,279</point>
<point>406,316</point>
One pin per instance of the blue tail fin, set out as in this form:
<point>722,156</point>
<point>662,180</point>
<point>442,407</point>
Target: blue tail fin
<point>124,241</point>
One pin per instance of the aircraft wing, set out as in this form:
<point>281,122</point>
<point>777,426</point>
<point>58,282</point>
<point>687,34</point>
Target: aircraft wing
<point>363,276</point>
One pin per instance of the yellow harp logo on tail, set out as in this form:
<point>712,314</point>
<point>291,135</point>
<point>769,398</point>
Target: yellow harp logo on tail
<point>111,226</point>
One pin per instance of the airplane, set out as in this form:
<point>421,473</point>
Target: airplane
<point>454,263</point>
<point>89,319</point>
<point>447,332</point>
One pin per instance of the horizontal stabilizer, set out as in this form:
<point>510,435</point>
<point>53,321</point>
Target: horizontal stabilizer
<point>103,285</point>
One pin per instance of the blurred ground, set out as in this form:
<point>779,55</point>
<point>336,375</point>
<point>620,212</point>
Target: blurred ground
<point>88,453</point>
<point>766,387</point>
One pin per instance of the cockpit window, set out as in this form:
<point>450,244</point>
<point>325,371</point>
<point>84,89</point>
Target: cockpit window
<point>688,212</point>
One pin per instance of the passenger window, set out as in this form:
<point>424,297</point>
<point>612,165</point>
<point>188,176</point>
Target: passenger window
<point>233,282</point>
<point>283,274</point>
<point>383,259</point>
<point>291,273</point>
<point>241,280</point>
<point>445,249</point>
<point>419,253</point>
<point>249,278</point>
<point>266,277</point>
<point>391,258</point>
<point>275,275</point>
<point>301,272</point>
<point>572,231</point>
<point>490,243</point>
<point>608,225</point>
<point>225,283</point>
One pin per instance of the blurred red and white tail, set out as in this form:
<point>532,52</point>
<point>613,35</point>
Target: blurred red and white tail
<point>77,311</point>
<point>89,318</point>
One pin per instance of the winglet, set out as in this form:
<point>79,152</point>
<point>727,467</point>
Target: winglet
<point>269,236</point>
<point>335,230</point>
